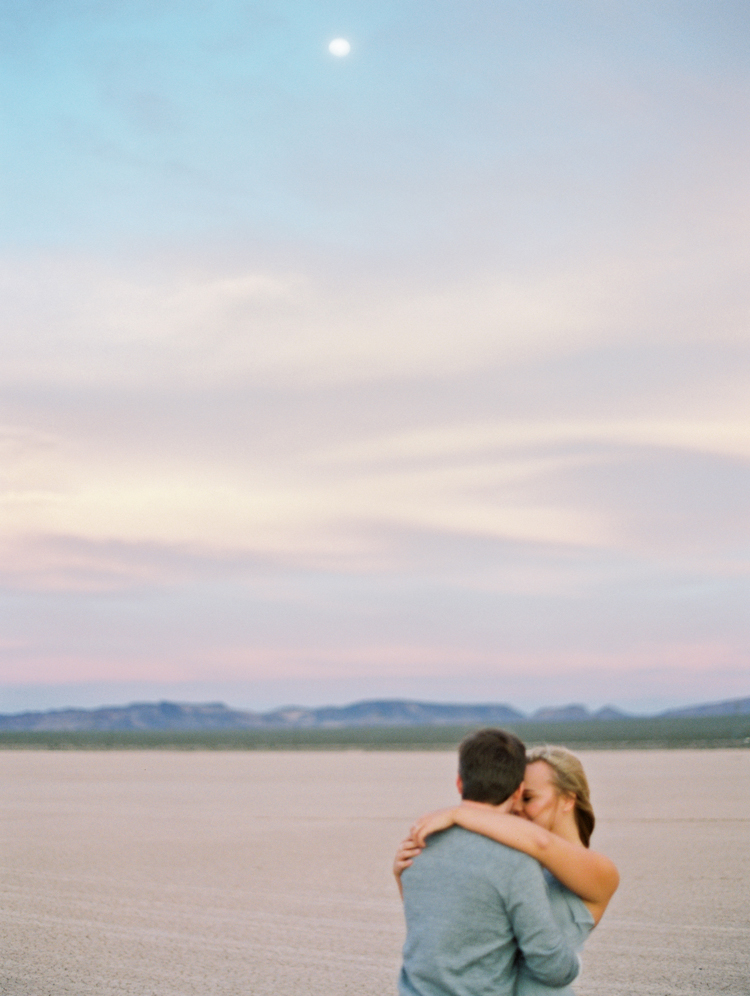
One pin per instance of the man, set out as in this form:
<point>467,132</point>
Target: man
<point>471,904</point>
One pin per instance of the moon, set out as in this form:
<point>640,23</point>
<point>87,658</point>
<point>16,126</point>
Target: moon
<point>339,47</point>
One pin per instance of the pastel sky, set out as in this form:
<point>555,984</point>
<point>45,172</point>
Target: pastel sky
<point>421,372</point>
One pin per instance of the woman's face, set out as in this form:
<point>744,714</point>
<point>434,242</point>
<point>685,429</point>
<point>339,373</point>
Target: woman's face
<point>541,802</point>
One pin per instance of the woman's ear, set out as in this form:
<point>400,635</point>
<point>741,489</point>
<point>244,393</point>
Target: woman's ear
<point>568,803</point>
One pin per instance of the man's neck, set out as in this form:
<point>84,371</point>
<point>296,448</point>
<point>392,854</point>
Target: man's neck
<point>504,807</point>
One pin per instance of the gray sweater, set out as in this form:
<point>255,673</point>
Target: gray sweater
<point>471,905</point>
<point>575,922</point>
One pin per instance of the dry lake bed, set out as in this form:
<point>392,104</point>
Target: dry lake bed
<point>186,873</point>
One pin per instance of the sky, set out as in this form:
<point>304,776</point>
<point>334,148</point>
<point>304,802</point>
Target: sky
<point>421,372</point>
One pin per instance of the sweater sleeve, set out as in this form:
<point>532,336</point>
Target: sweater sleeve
<point>548,956</point>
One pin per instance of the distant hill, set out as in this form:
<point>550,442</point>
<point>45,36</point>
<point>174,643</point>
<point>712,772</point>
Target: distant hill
<point>138,716</point>
<point>216,716</point>
<point>372,713</point>
<point>574,713</point>
<point>730,707</point>
<point>395,712</point>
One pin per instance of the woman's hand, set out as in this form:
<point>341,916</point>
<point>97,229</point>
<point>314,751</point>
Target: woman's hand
<point>441,819</point>
<point>407,851</point>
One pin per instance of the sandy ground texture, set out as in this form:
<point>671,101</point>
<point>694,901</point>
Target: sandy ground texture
<point>191,873</point>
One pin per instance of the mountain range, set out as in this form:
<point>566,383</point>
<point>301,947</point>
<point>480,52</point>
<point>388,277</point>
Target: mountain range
<point>378,712</point>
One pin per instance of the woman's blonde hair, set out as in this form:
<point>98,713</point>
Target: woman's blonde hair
<point>569,778</point>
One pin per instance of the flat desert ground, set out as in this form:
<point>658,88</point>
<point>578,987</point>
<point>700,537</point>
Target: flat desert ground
<point>268,873</point>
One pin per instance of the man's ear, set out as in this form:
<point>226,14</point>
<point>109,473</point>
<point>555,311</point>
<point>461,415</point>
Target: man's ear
<point>460,786</point>
<point>517,797</point>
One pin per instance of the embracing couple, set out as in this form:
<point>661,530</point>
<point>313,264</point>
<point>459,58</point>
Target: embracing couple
<point>482,917</point>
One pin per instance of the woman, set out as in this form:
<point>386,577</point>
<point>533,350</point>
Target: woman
<point>556,828</point>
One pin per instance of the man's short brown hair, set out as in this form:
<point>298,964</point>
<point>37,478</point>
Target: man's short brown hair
<point>491,765</point>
